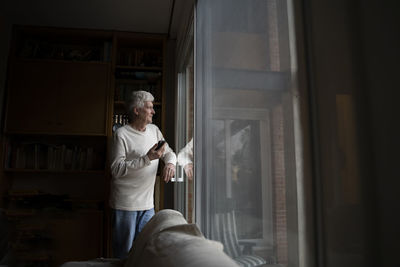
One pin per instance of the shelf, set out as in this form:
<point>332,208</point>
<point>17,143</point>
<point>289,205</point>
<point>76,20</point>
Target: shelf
<point>33,258</point>
<point>28,133</point>
<point>132,81</point>
<point>122,103</point>
<point>54,171</point>
<point>139,68</point>
<point>61,61</point>
<point>144,76</point>
<point>20,212</point>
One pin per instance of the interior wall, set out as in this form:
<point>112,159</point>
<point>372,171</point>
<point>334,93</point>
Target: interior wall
<point>334,85</point>
<point>353,63</point>
<point>379,34</point>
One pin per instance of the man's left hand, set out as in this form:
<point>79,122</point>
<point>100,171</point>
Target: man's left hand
<point>168,172</point>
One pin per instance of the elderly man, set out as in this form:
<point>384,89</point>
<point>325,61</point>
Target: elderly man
<point>134,164</point>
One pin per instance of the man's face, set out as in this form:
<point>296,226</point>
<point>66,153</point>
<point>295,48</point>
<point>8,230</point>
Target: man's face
<point>146,112</point>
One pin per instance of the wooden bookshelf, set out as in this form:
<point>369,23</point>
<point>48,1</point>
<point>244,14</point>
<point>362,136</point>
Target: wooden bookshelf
<point>66,91</point>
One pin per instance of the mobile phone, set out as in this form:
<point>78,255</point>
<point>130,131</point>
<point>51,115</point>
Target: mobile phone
<point>160,144</point>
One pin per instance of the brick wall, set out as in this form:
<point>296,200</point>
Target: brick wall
<point>279,186</point>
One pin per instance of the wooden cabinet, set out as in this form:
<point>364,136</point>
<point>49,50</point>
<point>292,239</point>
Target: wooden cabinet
<point>68,230</point>
<point>84,87</point>
<point>58,98</point>
<point>66,90</point>
<point>52,238</point>
<point>31,98</point>
<point>55,140</point>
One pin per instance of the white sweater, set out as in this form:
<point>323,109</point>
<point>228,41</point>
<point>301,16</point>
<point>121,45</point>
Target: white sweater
<point>133,174</point>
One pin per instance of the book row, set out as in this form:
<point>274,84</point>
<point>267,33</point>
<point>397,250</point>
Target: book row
<point>139,57</point>
<point>40,49</point>
<point>53,157</point>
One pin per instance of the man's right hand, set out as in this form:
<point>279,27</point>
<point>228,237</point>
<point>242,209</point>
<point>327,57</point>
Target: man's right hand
<point>155,154</point>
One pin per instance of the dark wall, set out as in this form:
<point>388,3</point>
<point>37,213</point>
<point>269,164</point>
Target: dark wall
<point>380,38</point>
<point>353,51</point>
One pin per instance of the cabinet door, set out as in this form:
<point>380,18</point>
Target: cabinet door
<point>58,97</point>
<point>32,90</point>
<point>77,237</point>
<point>82,98</point>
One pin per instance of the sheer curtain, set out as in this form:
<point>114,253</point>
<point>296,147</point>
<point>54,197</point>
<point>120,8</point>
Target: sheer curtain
<point>245,145</point>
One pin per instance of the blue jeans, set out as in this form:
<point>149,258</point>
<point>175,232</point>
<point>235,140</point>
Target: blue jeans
<point>126,225</point>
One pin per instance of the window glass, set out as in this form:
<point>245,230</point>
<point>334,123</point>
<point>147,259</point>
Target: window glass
<point>245,164</point>
<point>184,186</point>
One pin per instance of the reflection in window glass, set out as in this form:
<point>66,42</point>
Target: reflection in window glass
<point>244,135</point>
<point>245,170</point>
<point>237,150</point>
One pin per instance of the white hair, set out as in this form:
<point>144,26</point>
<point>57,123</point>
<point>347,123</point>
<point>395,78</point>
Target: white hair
<point>137,100</point>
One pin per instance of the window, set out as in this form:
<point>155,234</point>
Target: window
<point>184,188</point>
<point>246,152</point>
